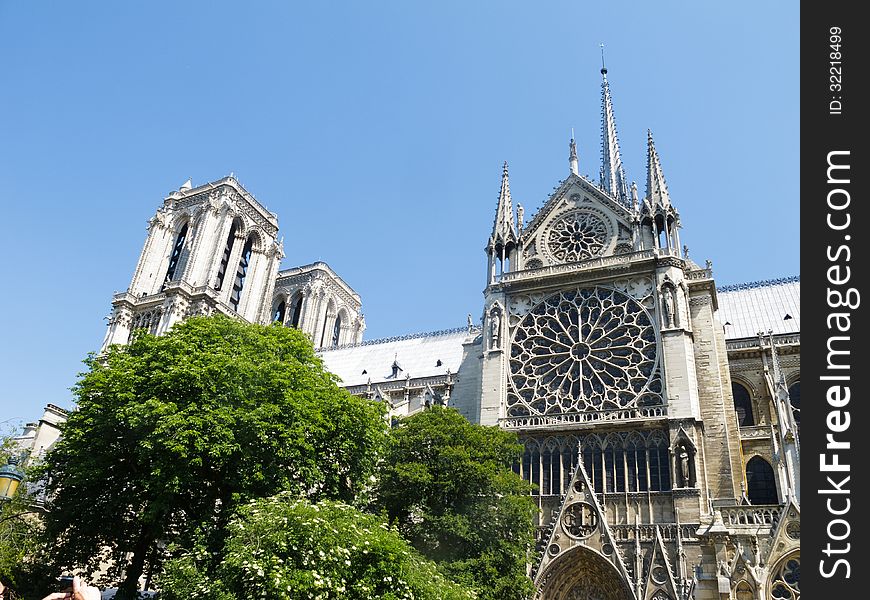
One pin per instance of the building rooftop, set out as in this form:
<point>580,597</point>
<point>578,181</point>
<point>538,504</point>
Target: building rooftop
<point>416,355</point>
<point>747,308</point>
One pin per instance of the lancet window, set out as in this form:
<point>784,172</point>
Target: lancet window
<point>176,253</point>
<point>241,273</point>
<point>794,398</point>
<point>296,311</point>
<point>336,331</point>
<point>225,259</point>
<point>619,462</point>
<point>280,311</point>
<point>760,482</point>
<point>743,405</point>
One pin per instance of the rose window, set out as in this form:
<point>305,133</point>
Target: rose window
<point>577,236</point>
<point>589,349</point>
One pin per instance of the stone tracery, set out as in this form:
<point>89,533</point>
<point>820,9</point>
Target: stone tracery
<point>589,349</point>
<point>577,236</point>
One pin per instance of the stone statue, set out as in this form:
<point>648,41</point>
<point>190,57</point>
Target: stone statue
<point>668,300</point>
<point>520,213</point>
<point>470,323</point>
<point>494,329</point>
<point>683,458</point>
<point>685,251</point>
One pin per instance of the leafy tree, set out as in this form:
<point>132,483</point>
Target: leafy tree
<point>20,528</point>
<point>449,486</point>
<point>284,547</point>
<point>172,433</point>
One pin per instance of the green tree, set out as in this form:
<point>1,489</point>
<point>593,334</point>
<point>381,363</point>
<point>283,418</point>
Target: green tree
<point>172,433</point>
<point>284,547</point>
<point>20,528</point>
<point>449,486</point>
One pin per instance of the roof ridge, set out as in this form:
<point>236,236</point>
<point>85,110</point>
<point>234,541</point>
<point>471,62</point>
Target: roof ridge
<point>409,336</point>
<point>757,284</point>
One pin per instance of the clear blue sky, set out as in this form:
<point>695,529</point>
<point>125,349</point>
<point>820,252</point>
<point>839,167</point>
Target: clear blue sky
<point>376,131</point>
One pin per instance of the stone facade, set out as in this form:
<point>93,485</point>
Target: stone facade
<point>660,414</point>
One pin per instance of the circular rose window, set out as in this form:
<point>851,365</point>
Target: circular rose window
<point>588,349</point>
<point>577,236</point>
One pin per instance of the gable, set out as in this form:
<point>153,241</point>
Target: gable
<point>578,222</point>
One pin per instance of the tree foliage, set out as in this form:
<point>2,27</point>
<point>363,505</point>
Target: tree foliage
<point>173,433</point>
<point>284,547</point>
<point>449,486</point>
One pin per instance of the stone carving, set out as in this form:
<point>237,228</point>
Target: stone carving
<point>494,328</point>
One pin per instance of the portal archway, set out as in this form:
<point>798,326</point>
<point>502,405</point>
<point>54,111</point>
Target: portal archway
<point>583,574</point>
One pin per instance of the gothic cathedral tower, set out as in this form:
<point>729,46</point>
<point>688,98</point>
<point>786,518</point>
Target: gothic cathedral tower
<point>209,249</point>
<point>600,349</point>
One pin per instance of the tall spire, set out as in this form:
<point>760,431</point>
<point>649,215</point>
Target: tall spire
<point>503,229</point>
<point>572,156</point>
<point>656,187</point>
<point>612,172</point>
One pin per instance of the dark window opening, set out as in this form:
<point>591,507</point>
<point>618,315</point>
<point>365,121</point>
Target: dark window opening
<point>241,274</point>
<point>336,331</point>
<point>279,312</point>
<point>760,482</point>
<point>743,405</point>
<point>225,259</point>
<point>296,312</point>
<point>176,254</point>
<point>794,398</point>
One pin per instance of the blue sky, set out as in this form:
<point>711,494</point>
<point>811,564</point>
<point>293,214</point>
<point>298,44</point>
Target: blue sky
<point>377,132</point>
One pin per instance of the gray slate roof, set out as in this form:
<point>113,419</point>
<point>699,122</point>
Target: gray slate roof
<point>417,355</point>
<point>747,308</point>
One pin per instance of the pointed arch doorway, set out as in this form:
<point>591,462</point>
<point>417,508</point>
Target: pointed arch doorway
<point>582,574</point>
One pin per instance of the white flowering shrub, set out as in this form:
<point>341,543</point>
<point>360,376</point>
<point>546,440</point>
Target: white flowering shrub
<point>284,547</point>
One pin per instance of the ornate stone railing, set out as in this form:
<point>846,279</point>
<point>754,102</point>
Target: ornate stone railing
<point>536,421</point>
<point>647,533</point>
<point>583,265</point>
<point>786,339</point>
<point>754,516</point>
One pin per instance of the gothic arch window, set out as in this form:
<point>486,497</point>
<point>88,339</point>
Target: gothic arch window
<point>336,331</point>
<point>760,482</point>
<point>742,404</point>
<point>296,311</point>
<point>225,258</point>
<point>550,469</point>
<point>744,591</point>
<point>794,398</point>
<point>786,580</point>
<point>279,313</point>
<point>175,257</point>
<point>242,273</point>
<point>658,459</point>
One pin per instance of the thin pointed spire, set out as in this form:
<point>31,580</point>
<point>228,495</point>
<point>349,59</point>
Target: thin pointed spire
<point>573,162</point>
<point>656,187</point>
<point>503,228</point>
<point>612,172</point>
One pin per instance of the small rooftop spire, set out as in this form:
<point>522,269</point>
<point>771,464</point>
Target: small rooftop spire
<point>503,229</point>
<point>656,187</point>
<point>612,172</point>
<point>572,156</point>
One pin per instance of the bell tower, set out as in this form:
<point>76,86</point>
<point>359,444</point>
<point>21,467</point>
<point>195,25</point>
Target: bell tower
<point>209,248</point>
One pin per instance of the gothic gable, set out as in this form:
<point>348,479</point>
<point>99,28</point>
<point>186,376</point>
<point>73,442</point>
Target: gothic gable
<point>579,221</point>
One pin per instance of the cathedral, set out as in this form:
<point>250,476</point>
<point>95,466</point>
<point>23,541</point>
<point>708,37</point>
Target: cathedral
<point>660,414</point>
